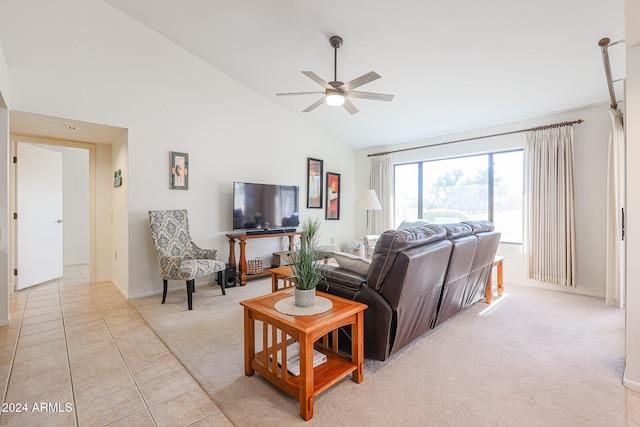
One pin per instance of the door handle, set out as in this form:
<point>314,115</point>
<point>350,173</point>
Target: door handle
<point>59,221</point>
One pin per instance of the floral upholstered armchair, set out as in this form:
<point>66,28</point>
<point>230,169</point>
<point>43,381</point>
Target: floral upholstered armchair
<point>178,256</point>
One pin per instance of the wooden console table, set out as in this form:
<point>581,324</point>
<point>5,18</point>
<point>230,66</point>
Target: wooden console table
<point>242,240</point>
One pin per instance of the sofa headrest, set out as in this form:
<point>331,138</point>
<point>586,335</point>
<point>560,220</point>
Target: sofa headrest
<point>392,242</point>
<point>458,229</point>
<point>412,223</point>
<point>413,236</point>
<point>480,226</point>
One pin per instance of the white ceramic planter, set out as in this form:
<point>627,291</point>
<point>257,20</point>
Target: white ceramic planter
<point>305,297</point>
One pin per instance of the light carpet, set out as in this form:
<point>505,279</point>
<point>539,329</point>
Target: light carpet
<point>537,357</point>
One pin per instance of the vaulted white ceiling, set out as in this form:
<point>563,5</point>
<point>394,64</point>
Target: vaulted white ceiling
<point>453,65</point>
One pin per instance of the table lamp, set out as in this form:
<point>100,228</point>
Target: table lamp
<point>369,201</point>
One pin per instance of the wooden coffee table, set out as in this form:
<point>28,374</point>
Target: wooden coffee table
<point>319,331</point>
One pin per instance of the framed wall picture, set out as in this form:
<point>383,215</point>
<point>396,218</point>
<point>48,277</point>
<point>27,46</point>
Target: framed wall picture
<point>117,178</point>
<point>179,170</point>
<point>314,183</point>
<point>333,196</point>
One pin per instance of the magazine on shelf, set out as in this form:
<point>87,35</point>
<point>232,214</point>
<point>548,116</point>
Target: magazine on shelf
<point>293,358</point>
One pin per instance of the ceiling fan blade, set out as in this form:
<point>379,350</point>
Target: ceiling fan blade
<point>370,95</point>
<point>313,76</point>
<point>315,105</point>
<point>299,93</point>
<point>359,81</point>
<point>348,105</point>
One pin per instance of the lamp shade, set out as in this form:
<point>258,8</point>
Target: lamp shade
<point>368,200</point>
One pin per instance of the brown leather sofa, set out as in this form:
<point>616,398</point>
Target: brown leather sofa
<point>418,278</point>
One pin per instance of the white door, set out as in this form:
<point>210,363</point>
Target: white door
<point>39,209</point>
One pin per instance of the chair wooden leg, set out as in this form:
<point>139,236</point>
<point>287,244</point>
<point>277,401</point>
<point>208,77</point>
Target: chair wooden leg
<point>164,290</point>
<point>190,286</point>
<point>222,281</point>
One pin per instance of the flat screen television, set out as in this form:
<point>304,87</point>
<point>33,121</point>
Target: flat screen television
<point>265,206</point>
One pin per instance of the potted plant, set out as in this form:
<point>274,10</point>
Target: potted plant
<point>305,266</point>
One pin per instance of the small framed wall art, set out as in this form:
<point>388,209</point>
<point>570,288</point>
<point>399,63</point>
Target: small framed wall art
<point>333,196</point>
<point>117,178</point>
<point>179,167</point>
<point>314,183</point>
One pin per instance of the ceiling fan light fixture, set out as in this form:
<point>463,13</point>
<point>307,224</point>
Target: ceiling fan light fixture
<point>336,92</point>
<point>334,98</point>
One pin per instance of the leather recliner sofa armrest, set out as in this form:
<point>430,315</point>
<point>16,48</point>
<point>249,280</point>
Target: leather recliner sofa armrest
<point>378,317</point>
<point>342,277</point>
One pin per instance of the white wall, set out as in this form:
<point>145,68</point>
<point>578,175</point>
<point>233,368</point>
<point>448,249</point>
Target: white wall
<point>103,212</point>
<point>4,78</point>
<point>5,289</point>
<point>632,125</point>
<point>75,193</point>
<point>119,255</point>
<point>130,77</point>
<point>590,155</point>
<point>4,192</point>
<point>75,162</point>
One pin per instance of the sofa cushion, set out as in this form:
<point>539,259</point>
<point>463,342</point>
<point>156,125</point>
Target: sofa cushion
<point>412,223</point>
<point>352,262</point>
<point>458,229</point>
<point>348,281</point>
<point>480,226</point>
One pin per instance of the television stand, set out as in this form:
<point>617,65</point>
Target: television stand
<point>279,231</point>
<point>242,240</point>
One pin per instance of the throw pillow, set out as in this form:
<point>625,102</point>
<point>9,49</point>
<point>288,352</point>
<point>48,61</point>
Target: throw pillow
<point>352,262</point>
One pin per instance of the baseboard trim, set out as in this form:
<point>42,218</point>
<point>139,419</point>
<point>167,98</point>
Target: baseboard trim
<point>633,385</point>
<point>73,264</point>
<point>148,294</point>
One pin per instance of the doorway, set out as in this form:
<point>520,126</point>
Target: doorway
<point>65,254</point>
<point>107,148</point>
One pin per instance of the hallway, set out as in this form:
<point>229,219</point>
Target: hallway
<point>80,354</point>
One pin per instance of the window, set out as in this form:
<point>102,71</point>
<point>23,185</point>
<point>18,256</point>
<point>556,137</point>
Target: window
<point>507,195</point>
<point>480,187</point>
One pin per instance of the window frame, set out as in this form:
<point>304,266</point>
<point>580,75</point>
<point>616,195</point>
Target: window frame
<point>490,180</point>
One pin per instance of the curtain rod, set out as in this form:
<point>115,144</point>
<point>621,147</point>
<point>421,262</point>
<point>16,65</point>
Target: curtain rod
<point>551,126</point>
<point>604,45</point>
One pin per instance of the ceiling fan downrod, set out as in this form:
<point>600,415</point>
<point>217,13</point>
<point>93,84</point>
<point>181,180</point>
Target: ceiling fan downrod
<point>336,42</point>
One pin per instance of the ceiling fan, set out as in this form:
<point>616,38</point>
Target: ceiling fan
<point>336,92</point>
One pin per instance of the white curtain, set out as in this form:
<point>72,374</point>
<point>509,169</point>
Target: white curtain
<point>549,206</point>
<point>615,279</point>
<point>381,181</point>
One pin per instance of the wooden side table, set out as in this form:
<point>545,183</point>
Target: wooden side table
<point>283,273</point>
<point>318,331</point>
<point>488,294</point>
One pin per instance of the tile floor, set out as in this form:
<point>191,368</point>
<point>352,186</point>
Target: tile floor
<point>80,354</point>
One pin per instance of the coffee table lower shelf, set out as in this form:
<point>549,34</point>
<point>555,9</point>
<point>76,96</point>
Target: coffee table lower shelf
<point>325,375</point>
